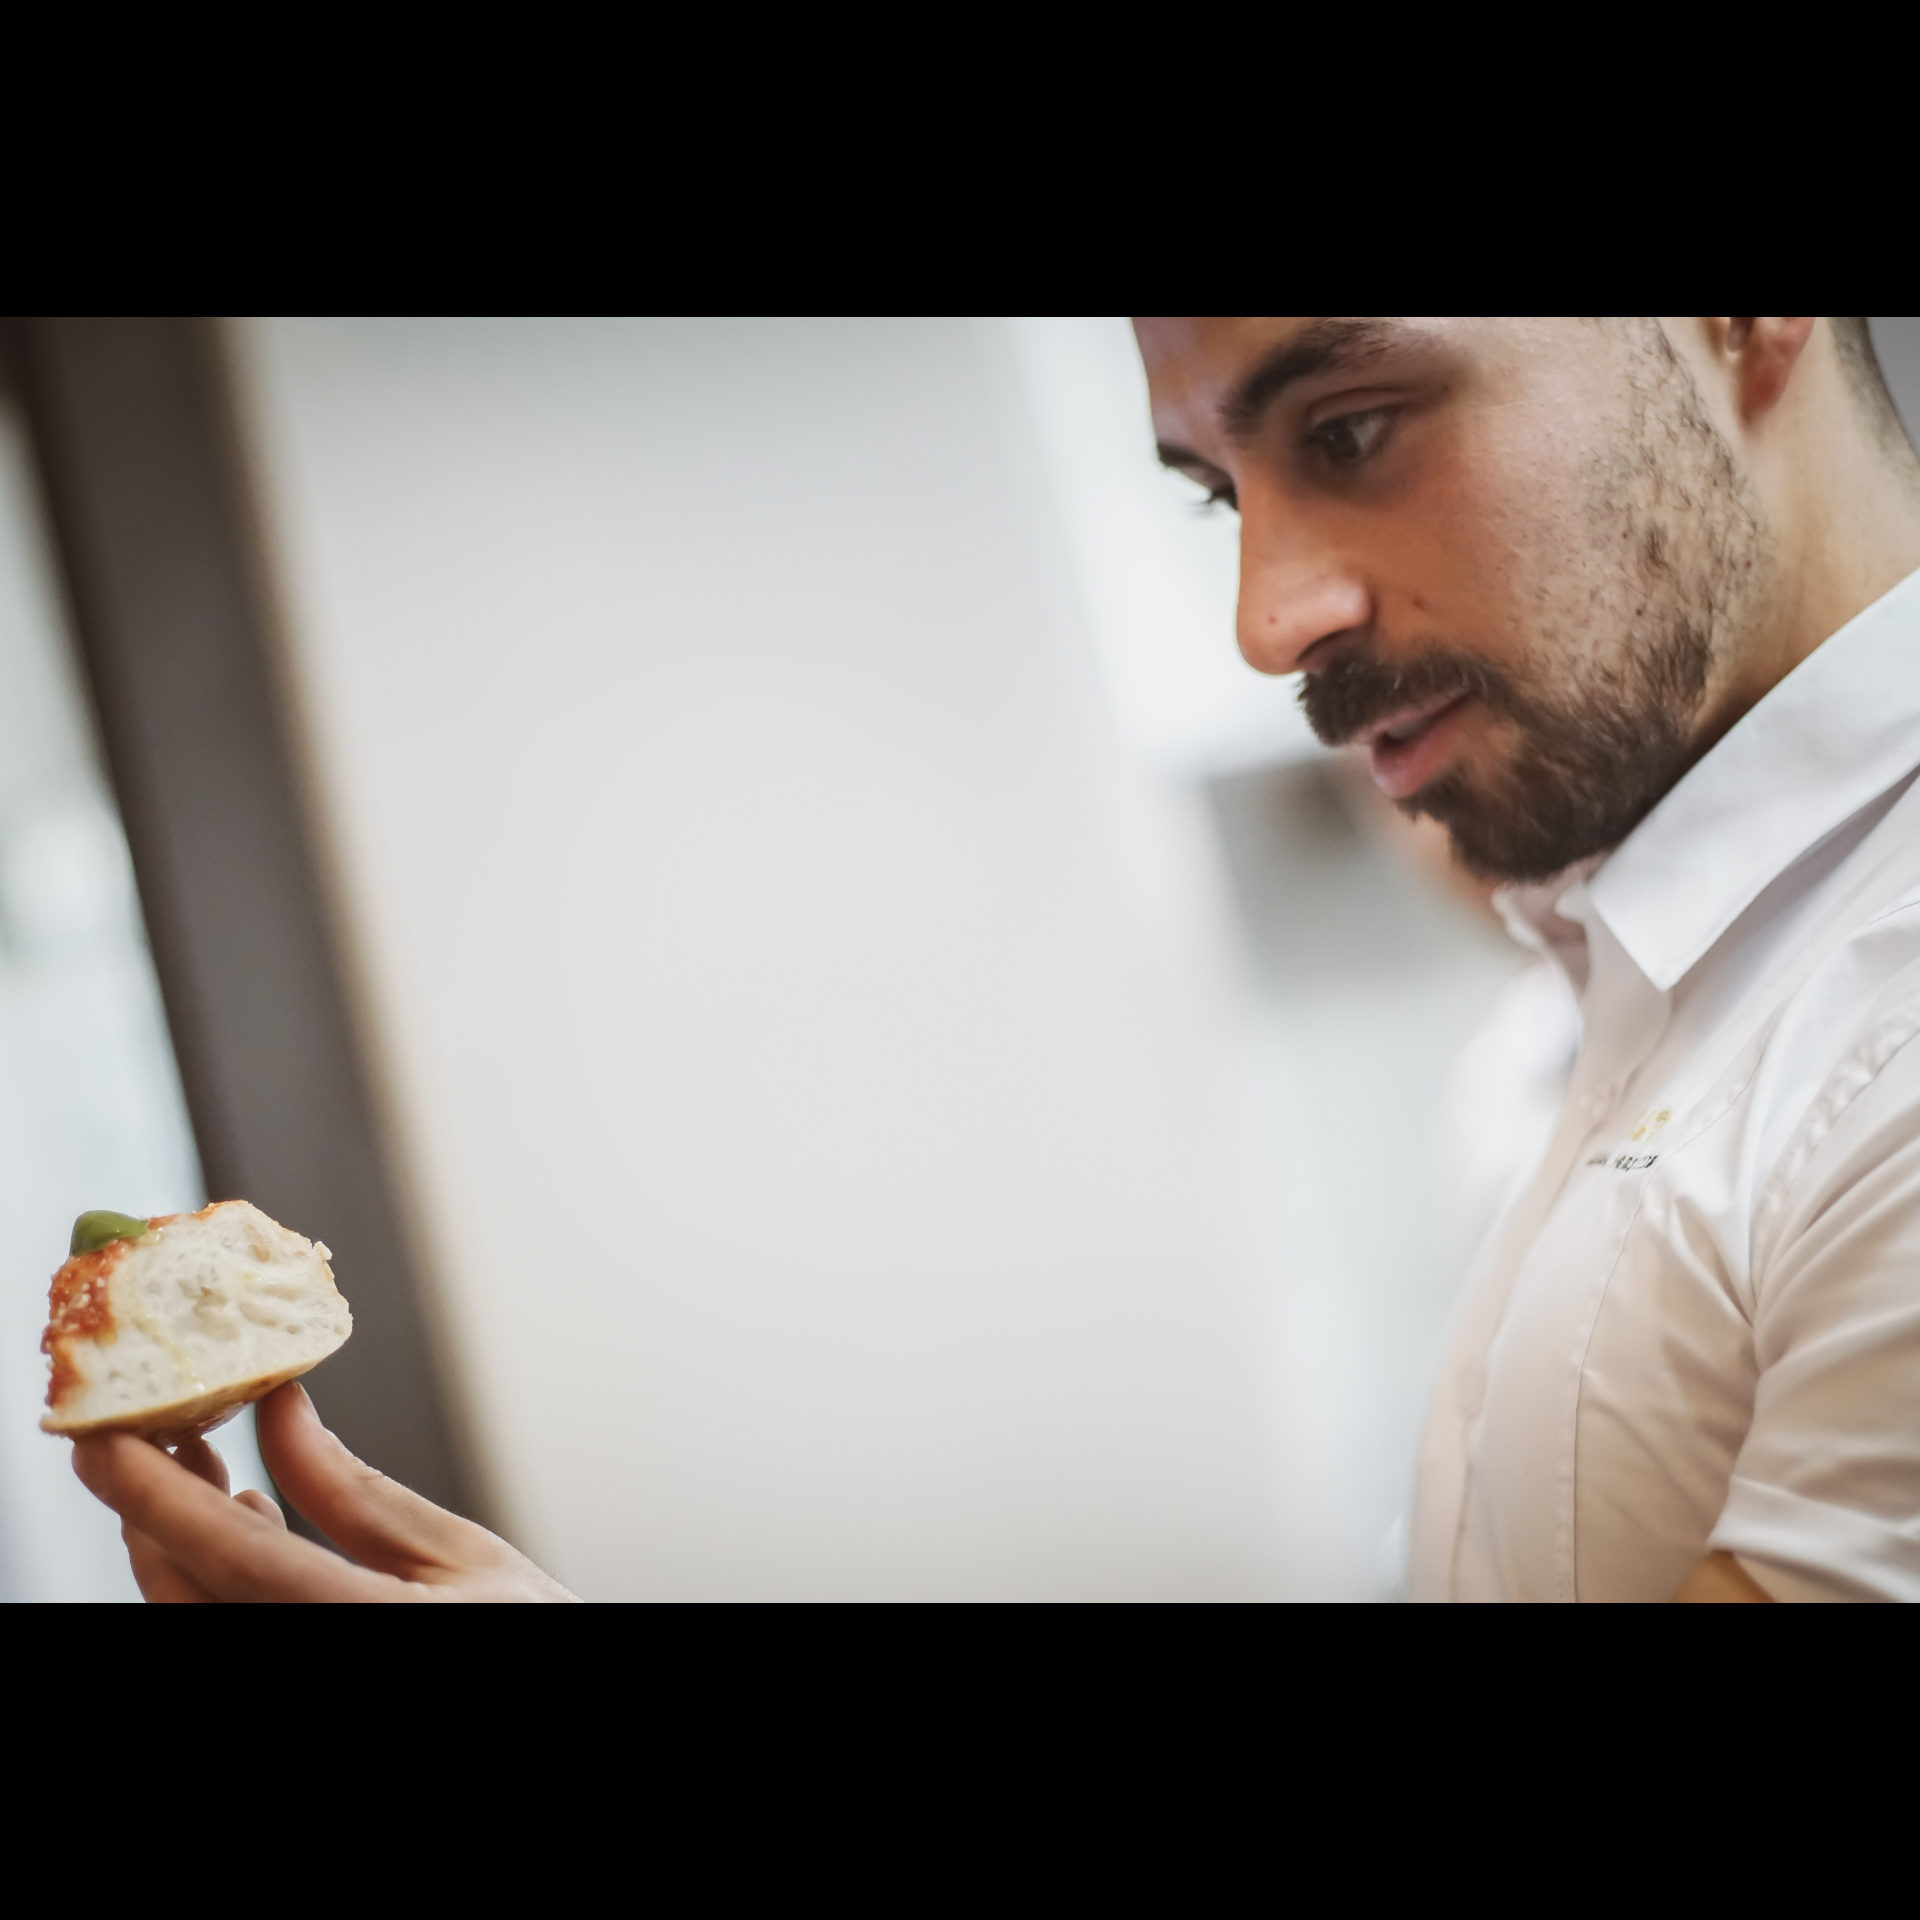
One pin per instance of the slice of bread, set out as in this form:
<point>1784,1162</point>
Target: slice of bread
<point>175,1331</point>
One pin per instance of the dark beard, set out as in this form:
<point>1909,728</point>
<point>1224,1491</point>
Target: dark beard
<point>1605,714</point>
<point>1581,777</point>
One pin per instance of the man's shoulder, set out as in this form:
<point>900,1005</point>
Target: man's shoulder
<point>1846,983</point>
<point>1839,1087</point>
<point>1848,936</point>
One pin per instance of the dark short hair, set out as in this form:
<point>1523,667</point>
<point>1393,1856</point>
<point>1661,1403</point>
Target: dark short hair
<point>1868,384</point>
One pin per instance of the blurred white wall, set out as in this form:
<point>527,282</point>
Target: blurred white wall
<point>810,1031</point>
<point>1357,982</point>
<point>1157,571</point>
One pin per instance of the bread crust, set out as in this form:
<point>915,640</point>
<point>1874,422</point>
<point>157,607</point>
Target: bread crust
<point>185,1418</point>
<point>82,1313</point>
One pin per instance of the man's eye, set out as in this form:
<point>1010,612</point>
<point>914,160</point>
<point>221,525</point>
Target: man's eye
<point>1221,496</point>
<point>1347,441</point>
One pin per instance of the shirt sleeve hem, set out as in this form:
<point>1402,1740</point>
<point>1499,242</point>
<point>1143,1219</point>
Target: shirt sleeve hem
<point>1807,1550</point>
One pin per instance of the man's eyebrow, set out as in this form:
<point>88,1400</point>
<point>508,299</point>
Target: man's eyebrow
<point>1182,460</point>
<point>1326,345</point>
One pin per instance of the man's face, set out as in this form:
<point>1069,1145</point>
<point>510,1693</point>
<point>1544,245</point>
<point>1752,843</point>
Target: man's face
<point>1513,559</point>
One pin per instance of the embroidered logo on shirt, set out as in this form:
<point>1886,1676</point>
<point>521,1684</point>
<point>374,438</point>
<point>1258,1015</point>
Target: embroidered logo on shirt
<point>1627,1161</point>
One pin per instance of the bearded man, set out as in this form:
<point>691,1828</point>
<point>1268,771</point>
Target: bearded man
<point>1630,607</point>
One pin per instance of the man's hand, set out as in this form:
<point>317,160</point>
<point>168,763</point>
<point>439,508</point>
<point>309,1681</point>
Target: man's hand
<point>189,1541</point>
<point>1719,1579</point>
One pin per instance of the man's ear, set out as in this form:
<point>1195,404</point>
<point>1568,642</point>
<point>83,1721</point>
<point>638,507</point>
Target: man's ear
<point>1761,354</point>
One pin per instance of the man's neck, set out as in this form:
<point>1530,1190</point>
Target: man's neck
<point>1848,532</point>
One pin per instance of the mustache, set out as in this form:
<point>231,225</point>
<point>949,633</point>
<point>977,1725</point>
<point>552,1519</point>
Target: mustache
<point>1354,690</point>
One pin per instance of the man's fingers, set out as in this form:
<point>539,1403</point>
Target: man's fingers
<point>224,1546</point>
<point>264,1505</point>
<point>160,1580</point>
<point>161,1583</point>
<point>189,1541</point>
<point>198,1457</point>
<point>378,1521</point>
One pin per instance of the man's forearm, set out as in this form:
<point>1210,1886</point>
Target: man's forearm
<point>1720,1579</point>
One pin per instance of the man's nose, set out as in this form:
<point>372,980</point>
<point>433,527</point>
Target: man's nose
<point>1293,596</point>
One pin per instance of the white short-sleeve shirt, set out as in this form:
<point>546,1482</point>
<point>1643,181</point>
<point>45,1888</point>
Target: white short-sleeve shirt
<point>1698,1326</point>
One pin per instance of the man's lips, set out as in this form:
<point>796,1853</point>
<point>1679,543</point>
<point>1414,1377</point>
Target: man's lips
<point>1409,745</point>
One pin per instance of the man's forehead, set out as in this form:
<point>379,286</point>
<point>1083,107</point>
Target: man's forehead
<point>1212,337</point>
<point>1212,381</point>
<point>1195,360</point>
<point>1215,376</point>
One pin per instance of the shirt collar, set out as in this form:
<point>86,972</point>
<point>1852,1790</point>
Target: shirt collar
<point>1836,733</point>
